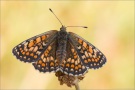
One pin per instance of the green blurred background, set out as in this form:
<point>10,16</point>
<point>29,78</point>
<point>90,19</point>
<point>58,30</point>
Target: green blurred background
<point>110,28</point>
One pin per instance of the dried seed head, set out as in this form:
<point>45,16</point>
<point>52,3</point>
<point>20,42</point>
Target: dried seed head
<point>68,80</point>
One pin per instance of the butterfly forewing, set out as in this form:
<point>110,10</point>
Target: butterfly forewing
<point>47,61</point>
<point>89,55</point>
<point>31,49</point>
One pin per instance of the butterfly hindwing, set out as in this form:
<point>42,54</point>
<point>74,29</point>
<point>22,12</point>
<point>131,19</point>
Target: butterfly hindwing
<point>31,49</point>
<point>90,56</point>
<point>72,65</point>
<point>47,61</point>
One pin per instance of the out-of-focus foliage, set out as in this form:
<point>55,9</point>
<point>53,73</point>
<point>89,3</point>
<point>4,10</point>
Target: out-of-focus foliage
<point>111,29</point>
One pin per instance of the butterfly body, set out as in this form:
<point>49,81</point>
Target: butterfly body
<point>60,51</point>
<point>62,44</point>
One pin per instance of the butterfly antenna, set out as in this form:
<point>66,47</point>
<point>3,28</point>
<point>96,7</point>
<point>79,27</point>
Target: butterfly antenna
<point>78,26</point>
<point>55,16</point>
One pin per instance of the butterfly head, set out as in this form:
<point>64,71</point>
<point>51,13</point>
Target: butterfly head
<point>63,28</point>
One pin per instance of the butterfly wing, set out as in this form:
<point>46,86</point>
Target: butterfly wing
<point>47,61</point>
<point>31,49</point>
<point>72,65</point>
<point>90,56</point>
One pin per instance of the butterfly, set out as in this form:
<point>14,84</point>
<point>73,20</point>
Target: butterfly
<point>63,51</point>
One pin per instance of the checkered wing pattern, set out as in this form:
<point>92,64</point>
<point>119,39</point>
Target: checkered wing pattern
<point>47,61</point>
<point>89,55</point>
<point>72,65</point>
<point>30,50</point>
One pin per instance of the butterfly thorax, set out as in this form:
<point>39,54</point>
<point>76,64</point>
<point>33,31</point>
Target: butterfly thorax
<point>62,42</point>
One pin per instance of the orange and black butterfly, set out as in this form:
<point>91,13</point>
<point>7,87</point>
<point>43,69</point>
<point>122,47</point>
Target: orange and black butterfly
<point>63,51</point>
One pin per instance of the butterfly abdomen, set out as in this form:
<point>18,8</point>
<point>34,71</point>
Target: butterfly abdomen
<point>60,55</point>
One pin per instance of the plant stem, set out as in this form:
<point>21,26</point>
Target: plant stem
<point>77,86</point>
